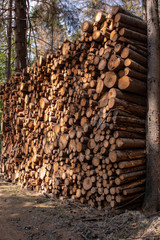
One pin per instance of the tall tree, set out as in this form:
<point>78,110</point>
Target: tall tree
<point>144,10</point>
<point>152,196</point>
<point>53,20</point>
<point>9,38</point>
<point>20,35</point>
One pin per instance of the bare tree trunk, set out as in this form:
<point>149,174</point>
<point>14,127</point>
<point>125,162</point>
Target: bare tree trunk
<point>152,197</point>
<point>20,35</point>
<point>52,30</point>
<point>144,10</point>
<point>9,38</point>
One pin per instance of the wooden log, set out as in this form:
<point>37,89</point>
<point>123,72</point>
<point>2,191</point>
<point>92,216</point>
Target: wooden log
<point>133,190</point>
<point>128,170</point>
<point>44,103</point>
<point>138,50</point>
<point>110,79</point>
<point>117,156</point>
<point>102,64</point>
<point>132,34</point>
<point>100,17</point>
<point>134,198</point>
<point>100,88</point>
<point>115,63</point>
<point>127,143</point>
<point>132,184</point>
<point>103,100</point>
<point>132,85</point>
<point>120,25</point>
<point>119,9</point>
<point>129,41</point>
<point>87,27</point>
<point>118,48</point>
<point>129,120</point>
<point>129,53</point>
<point>133,163</point>
<point>124,178</point>
<point>114,36</point>
<point>116,93</point>
<point>125,134</point>
<point>120,17</point>
<point>134,65</point>
<point>127,128</point>
<point>97,36</point>
<point>132,73</point>
<point>87,183</point>
<point>131,108</point>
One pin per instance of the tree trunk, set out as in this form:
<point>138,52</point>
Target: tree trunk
<point>144,10</point>
<point>20,35</point>
<point>152,196</point>
<point>9,36</point>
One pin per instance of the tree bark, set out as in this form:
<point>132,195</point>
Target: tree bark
<point>9,38</point>
<point>20,35</point>
<point>144,10</point>
<point>152,195</point>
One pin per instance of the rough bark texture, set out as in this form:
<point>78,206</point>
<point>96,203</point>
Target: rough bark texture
<point>20,35</point>
<point>9,35</point>
<point>152,197</point>
<point>144,10</point>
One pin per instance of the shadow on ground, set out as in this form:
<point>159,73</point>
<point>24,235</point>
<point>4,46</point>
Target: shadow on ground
<point>29,215</point>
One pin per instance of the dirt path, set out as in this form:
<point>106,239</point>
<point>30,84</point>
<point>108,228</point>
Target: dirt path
<point>26,215</point>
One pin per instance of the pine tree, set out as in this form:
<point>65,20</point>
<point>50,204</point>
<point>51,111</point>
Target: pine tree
<point>20,35</point>
<point>9,40</point>
<point>152,194</point>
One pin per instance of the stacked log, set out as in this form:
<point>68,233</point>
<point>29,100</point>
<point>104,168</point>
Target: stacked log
<point>74,122</point>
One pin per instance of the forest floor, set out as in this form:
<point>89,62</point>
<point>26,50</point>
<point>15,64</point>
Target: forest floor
<point>27,215</point>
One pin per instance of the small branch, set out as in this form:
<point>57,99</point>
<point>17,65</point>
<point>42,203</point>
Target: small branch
<point>40,39</point>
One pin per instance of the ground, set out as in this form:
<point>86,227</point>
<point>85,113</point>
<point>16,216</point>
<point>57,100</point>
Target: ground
<point>27,215</point>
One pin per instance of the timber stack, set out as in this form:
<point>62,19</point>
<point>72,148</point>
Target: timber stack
<point>74,122</point>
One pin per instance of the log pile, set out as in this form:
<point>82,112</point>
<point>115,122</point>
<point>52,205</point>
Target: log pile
<point>74,122</point>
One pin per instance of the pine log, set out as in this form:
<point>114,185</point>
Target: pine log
<point>132,73</point>
<point>116,93</point>
<point>132,169</point>
<point>132,34</point>
<point>110,80</point>
<point>117,156</point>
<point>132,108</point>
<point>132,85</point>
<point>100,17</point>
<point>129,53</point>
<point>128,143</point>
<point>129,120</point>
<point>133,190</point>
<point>124,178</point>
<point>133,163</point>
<point>97,36</point>
<point>120,17</point>
<point>119,9</point>
<point>136,183</point>
<point>134,65</point>
<point>124,134</point>
<point>115,63</point>
<point>120,25</point>
<point>87,27</point>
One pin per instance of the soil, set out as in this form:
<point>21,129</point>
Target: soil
<point>27,215</point>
